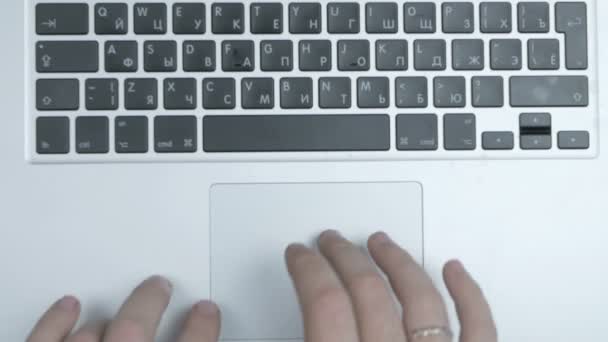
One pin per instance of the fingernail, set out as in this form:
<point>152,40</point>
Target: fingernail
<point>381,237</point>
<point>68,303</point>
<point>162,282</point>
<point>456,265</point>
<point>206,308</point>
<point>331,233</point>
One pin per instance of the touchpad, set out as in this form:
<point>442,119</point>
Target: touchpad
<point>252,224</point>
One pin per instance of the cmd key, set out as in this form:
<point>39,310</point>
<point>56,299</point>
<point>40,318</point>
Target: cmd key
<point>62,19</point>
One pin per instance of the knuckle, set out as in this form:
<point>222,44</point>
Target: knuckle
<point>367,283</point>
<point>330,301</point>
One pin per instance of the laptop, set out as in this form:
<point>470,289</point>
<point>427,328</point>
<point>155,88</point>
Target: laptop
<point>196,139</point>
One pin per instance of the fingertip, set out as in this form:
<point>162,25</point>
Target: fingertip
<point>206,308</point>
<point>160,282</point>
<point>378,238</point>
<point>293,249</point>
<point>68,304</point>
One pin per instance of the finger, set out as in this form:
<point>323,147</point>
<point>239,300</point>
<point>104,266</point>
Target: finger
<point>202,324</point>
<point>326,307</point>
<point>375,311</point>
<point>91,332</point>
<point>476,322</point>
<point>57,322</point>
<point>422,304</point>
<point>138,318</point>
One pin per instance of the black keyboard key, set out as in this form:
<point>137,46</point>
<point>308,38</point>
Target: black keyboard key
<point>199,55</point>
<point>549,91</point>
<point>487,91</point>
<point>175,134</point>
<point>121,56</point>
<point>573,140</point>
<point>468,54</point>
<point>296,93</point>
<point>160,56</point>
<point>219,93</point>
<point>450,92</point>
<point>62,19</point>
<point>315,55</point>
<point>180,93</point>
<point>141,93</point>
<point>276,55</point>
<point>257,93</point>
<point>353,55</point>
<point>227,18</point>
<point>238,55</point>
<point>373,92</point>
<point>131,134</point>
<point>189,18</point>
<point>67,56</point>
<point>267,18</point>
<point>430,54</point>
<point>505,54</point>
<point>458,17</point>
<point>101,94</point>
<point>496,17</point>
<point>535,131</point>
<point>57,94</point>
<point>498,140</point>
<point>111,18</point>
<point>92,135</point>
<point>343,17</point>
<point>571,19</point>
<point>533,17</point>
<point>296,133</point>
<point>411,92</point>
<point>417,132</point>
<point>543,54</point>
<point>459,132</point>
<point>420,17</point>
<point>52,135</point>
<point>381,17</point>
<point>335,92</point>
<point>391,55</point>
<point>150,18</point>
<point>305,17</point>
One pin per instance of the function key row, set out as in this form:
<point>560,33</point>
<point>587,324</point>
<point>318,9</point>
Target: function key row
<point>299,93</point>
<point>298,133</point>
<point>314,55</point>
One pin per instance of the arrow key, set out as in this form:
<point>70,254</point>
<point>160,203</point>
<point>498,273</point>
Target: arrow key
<point>573,140</point>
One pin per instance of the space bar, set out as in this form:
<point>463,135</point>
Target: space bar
<point>296,133</point>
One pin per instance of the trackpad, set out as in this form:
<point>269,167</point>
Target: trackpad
<point>252,224</point>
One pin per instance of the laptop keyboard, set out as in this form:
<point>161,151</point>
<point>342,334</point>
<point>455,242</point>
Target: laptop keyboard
<point>327,80</point>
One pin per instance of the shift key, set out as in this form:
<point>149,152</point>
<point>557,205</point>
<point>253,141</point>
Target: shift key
<point>549,91</point>
<point>67,56</point>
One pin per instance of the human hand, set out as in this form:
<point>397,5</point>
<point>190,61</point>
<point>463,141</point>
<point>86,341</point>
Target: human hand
<point>136,321</point>
<point>342,296</point>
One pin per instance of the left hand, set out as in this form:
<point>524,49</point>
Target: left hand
<point>136,321</point>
